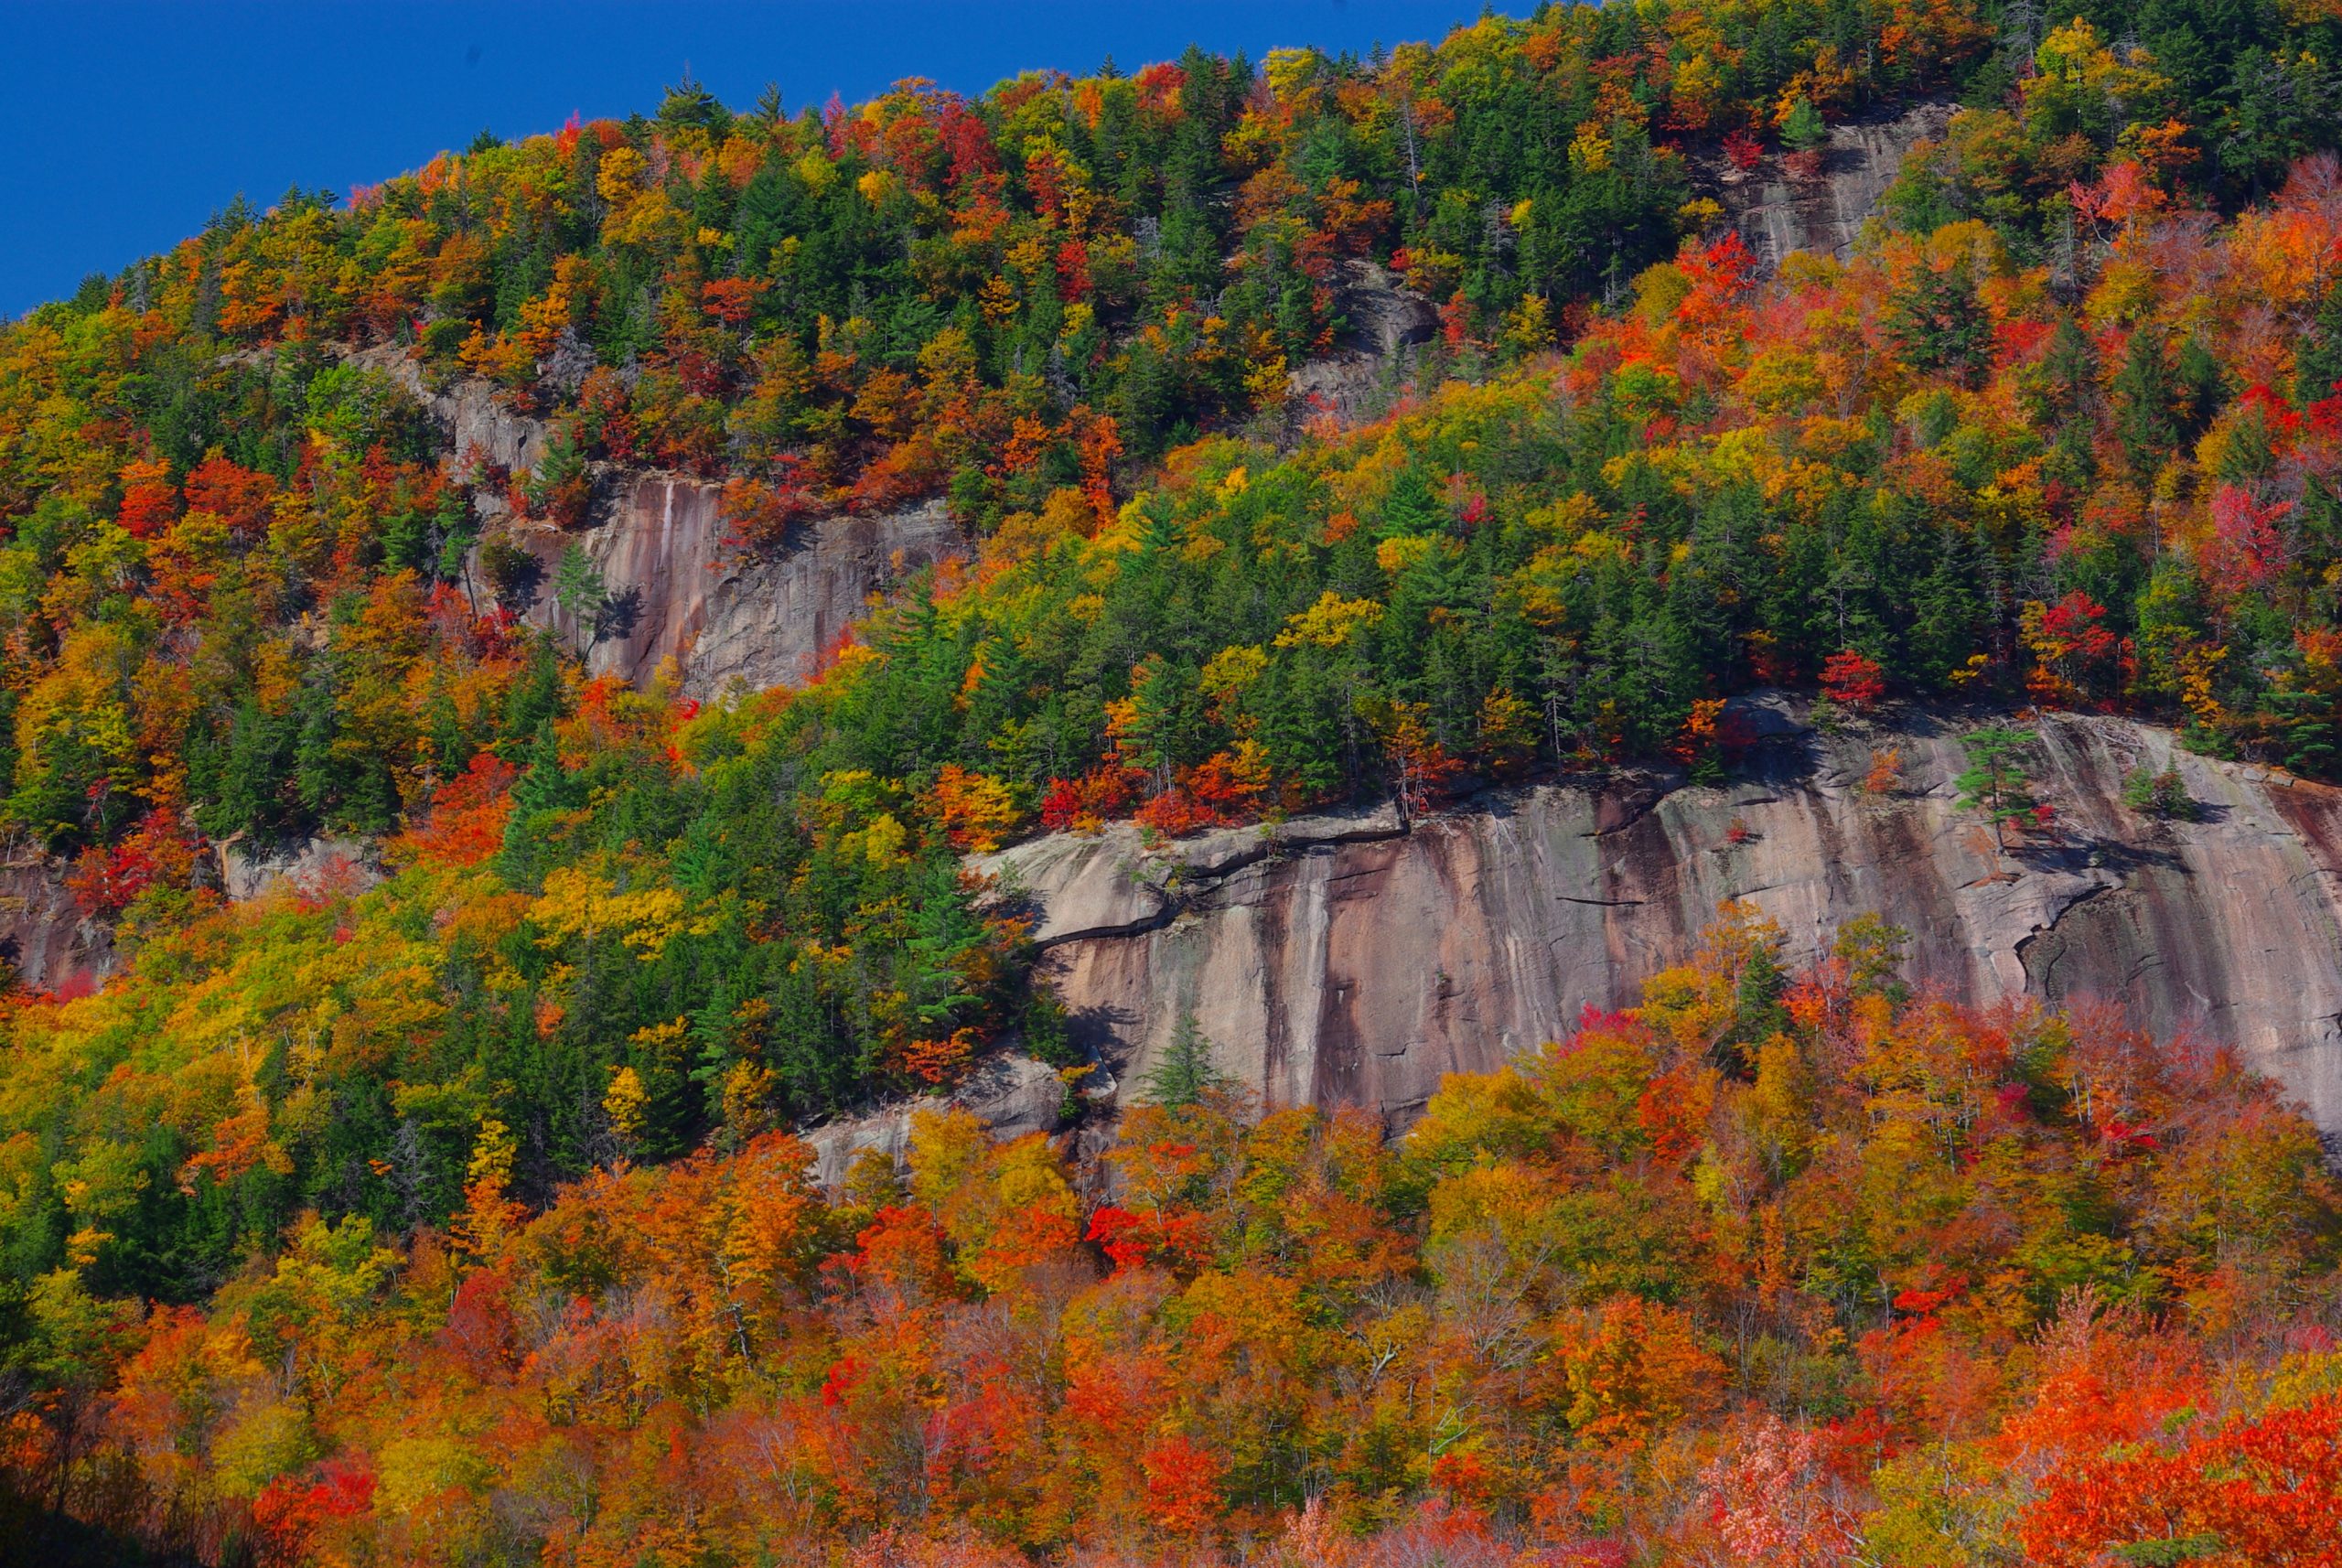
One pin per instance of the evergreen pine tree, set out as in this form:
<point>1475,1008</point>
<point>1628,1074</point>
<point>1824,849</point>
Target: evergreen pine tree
<point>1757,1012</point>
<point>406,540</point>
<point>2143,390</point>
<point>1995,781</point>
<point>315,777</point>
<point>2203,387</point>
<point>578,588</point>
<point>1803,130</point>
<point>1412,507</point>
<point>1938,323</point>
<point>544,789</point>
<point>2317,364</point>
<point>1184,1074</point>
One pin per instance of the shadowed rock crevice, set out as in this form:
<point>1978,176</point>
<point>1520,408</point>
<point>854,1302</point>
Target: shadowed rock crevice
<point>1372,358</point>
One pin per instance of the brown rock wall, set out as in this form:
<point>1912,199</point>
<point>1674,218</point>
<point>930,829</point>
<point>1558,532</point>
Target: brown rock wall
<point>44,940</point>
<point>677,593</point>
<point>1340,967</point>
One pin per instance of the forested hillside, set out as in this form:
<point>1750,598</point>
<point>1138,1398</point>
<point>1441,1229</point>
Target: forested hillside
<point>1774,1270</point>
<point>459,1215</point>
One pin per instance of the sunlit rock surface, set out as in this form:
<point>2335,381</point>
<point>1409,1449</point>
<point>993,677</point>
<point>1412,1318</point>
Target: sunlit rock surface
<point>677,592</point>
<point>1341,961</point>
<point>1777,213</point>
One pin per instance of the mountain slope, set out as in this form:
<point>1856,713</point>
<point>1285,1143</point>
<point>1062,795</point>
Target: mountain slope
<point>446,1204</point>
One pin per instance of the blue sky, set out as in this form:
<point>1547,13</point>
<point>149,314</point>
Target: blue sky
<point>129,124</point>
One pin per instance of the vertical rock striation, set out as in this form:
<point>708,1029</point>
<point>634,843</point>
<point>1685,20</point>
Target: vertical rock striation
<point>1341,961</point>
<point>676,593</point>
<point>1777,213</point>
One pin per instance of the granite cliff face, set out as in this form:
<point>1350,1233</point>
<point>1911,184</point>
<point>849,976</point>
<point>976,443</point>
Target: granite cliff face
<point>43,940</point>
<point>1777,212</point>
<point>1346,960</point>
<point>676,593</point>
<point>657,538</point>
<point>479,426</point>
<point>1373,357</point>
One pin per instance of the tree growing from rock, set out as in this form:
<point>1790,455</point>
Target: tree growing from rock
<point>1186,1073</point>
<point>578,588</point>
<point>1995,781</point>
<point>2158,794</point>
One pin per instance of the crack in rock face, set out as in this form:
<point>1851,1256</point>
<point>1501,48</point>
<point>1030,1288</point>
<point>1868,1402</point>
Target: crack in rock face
<point>1351,960</point>
<point>678,593</point>
<point>1777,212</point>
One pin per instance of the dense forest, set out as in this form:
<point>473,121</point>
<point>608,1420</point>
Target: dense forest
<point>459,1216</point>
<point>1774,1270</point>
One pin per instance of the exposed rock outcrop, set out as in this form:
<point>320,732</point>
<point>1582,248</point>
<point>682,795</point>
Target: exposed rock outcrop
<point>49,945</point>
<point>45,939</point>
<point>1338,960</point>
<point>770,622</point>
<point>658,539</point>
<point>1011,1094</point>
<point>479,423</point>
<point>1777,213</point>
<point>676,593</point>
<point>311,865</point>
<point>1775,210</point>
<point>1386,321</point>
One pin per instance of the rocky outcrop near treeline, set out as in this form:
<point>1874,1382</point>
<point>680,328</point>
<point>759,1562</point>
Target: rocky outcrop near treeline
<point>1348,958</point>
<point>679,599</point>
<point>676,591</point>
<point>46,941</point>
<point>1780,204</point>
<point>677,596</point>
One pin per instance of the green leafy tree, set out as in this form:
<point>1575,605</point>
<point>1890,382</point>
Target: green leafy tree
<point>2145,391</point>
<point>2157,793</point>
<point>1802,130</point>
<point>1936,322</point>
